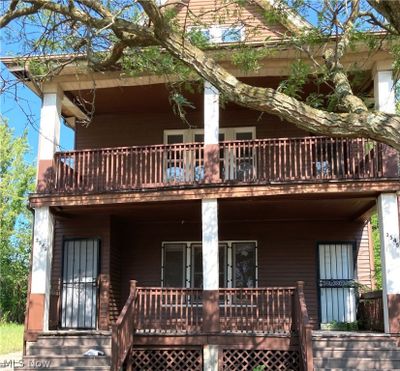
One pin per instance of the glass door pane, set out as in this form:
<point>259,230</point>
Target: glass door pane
<point>244,264</point>
<point>174,263</point>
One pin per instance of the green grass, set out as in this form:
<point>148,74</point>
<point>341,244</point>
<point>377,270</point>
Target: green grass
<point>11,337</point>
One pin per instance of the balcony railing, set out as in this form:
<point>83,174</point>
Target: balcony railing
<point>184,311</point>
<point>180,310</point>
<point>308,159</point>
<point>265,310</point>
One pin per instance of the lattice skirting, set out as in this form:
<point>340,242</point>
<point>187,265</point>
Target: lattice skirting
<point>167,359</point>
<point>249,360</point>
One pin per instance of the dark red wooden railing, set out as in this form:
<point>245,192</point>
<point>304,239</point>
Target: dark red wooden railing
<point>122,330</point>
<point>256,310</point>
<point>244,310</point>
<point>169,310</point>
<point>254,161</point>
<point>304,328</point>
<point>370,311</point>
<point>179,311</point>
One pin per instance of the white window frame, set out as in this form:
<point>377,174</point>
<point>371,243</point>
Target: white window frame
<point>216,32</point>
<point>229,133</point>
<point>188,263</point>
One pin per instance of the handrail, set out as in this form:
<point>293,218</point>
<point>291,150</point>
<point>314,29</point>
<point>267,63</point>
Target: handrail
<point>258,161</point>
<point>122,330</point>
<point>264,310</point>
<point>304,329</point>
<point>169,310</point>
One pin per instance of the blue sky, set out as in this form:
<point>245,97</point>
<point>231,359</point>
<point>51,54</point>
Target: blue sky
<point>22,109</point>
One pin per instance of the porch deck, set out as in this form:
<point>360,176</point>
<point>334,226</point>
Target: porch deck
<point>275,318</point>
<point>262,161</point>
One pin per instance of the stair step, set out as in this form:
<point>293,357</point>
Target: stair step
<point>348,344</point>
<point>357,363</point>
<point>90,341</point>
<point>38,350</point>
<point>377,353</point>
<point>66,361</point>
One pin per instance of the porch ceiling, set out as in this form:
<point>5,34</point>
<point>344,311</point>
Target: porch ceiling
<point>146,98</point>
<point>257,209</point>
<point>296,209</point>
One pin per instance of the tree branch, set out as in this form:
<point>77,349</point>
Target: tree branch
<point>379,126</point>
<point>390,10</point>
<point>348,101</point>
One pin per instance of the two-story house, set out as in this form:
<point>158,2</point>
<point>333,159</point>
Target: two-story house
<point>228,242</point>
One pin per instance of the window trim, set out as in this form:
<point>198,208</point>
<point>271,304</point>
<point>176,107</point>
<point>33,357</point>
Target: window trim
<point>216,32</point>
<point>188,263</point>
<point>229,133</point>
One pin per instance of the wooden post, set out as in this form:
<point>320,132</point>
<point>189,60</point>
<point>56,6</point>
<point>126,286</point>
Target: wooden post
<point>211,133</point>
<point>304,329</point>
<point>388,213</point>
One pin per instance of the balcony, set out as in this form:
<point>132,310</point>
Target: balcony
<point>262,161</point>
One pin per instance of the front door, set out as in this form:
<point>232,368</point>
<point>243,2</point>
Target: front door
<point>336,283</point>
<point>79,284</point>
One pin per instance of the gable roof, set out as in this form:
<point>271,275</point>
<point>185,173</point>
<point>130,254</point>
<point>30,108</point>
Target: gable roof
<point>287,17</point>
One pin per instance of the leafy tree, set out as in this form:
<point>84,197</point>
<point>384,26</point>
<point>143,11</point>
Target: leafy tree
<point>146,35</point>
<point>16,180</point>
<point>377,251</point>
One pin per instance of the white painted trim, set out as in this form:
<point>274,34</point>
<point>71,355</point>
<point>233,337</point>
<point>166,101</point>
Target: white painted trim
<point>385,100</point>
<point>210,246</point>
<point>388,213</point>
<point>42,254</point>
<point>210,357</point>
<point>229,133</point>
<point>216,32</point>
<point>211,114</point>
<point>50,123</point>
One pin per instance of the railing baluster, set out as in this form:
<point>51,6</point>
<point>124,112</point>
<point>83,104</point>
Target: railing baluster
<point>263,160</point>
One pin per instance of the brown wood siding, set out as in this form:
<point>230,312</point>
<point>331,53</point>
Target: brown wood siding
<point>220,12</point>
<point>148,128</point>
<point>286,250</point>
<point>93,227</point>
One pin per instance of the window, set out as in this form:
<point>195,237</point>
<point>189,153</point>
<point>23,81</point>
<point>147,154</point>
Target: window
<point>217,34</point>
<point>236,163</point>
<point>182,264</point>
<point>173,265</point>
<point>244,263</point>
<point>197,135</point>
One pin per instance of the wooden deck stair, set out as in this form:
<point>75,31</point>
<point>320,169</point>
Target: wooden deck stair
<point>63,350</point>
<point>344,351</point>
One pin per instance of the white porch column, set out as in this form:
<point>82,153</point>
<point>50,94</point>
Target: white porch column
<point>210,207</point>
<point>388,213</point>
<point>49,133</point>
<point>43,228</point>
<point>384,88</point>
<point>42,254</point>
<point>211,133</point>
<point>210,358</point>
<point>211,114</point>
<point>209,211</point>
<point>385,101</point>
